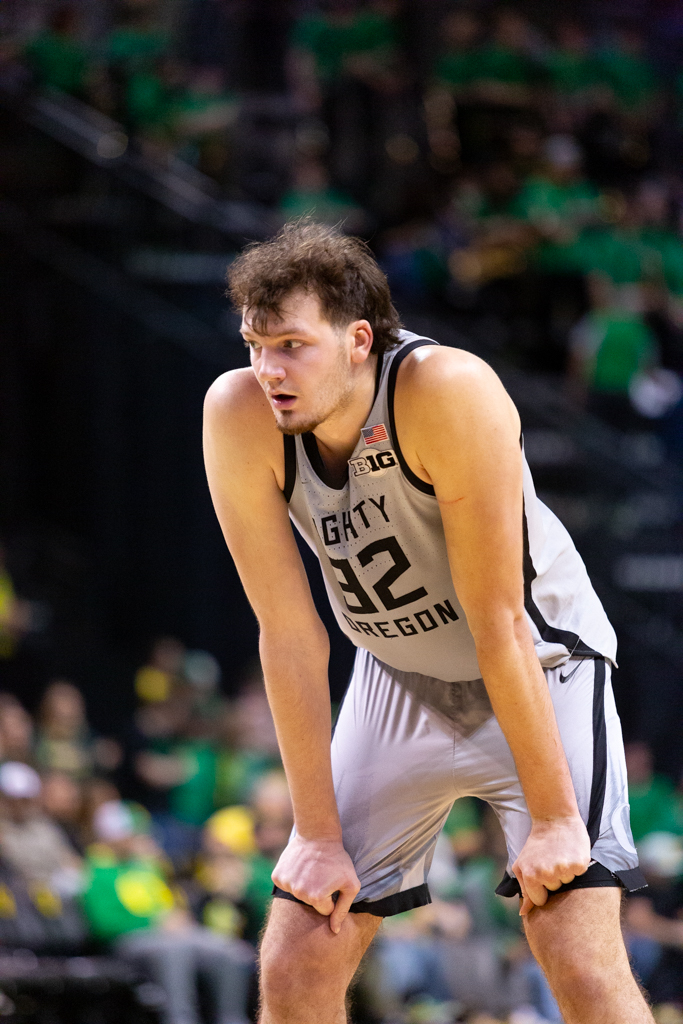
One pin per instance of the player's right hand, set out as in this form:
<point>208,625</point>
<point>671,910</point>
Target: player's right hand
<point>314,870</point>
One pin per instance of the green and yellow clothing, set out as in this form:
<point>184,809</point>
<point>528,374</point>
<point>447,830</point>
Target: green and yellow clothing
<point>236,773</point>
<point>243,916</point>
<point>7,599</point>
<point>123,896</point>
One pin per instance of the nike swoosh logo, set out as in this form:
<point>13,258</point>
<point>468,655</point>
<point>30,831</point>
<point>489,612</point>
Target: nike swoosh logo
<point>565,679</point>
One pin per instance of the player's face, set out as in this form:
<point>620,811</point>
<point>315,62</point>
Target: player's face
<point>303,364</point>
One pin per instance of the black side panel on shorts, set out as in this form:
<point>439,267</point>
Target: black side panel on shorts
<point>632,879</point>
<point>391,389</point>
<point>599,753</point>
<point>551,634</point>
<point>290,465</point>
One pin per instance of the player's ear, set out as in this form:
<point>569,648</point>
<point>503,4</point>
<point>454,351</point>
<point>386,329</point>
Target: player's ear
<point>362,338</point>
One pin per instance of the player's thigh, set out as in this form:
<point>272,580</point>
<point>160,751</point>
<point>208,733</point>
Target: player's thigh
<point>392,763</point>
<point>299,951</point>
<point>577,934</point>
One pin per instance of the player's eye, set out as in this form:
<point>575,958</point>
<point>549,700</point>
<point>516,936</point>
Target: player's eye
<point>253,345</point>
<point>291,343</point>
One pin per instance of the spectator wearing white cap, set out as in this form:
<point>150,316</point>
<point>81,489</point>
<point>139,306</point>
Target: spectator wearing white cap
<point>30,842</point>
<point>129,904</point>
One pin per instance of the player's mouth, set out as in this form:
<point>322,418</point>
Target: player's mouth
<point>281,400</point>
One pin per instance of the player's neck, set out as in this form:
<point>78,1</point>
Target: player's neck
<point>338,435</point>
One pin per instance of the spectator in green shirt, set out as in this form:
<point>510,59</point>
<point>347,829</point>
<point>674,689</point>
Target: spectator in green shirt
<point>337,37</point>
<point>458,67</point>
<point>57,56</point>
<point>312,194</point>
<point>653,211</point>
<point>572,68</point>
<point>625,68</point>
<point>136,41</point>
<point>129,904</point>
<point>559,202</point>
<point>507,69</point>
<point>608,347</point>
<point>655,805</point>
<point>249,749</point>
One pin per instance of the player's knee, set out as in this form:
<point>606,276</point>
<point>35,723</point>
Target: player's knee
<point>290,975</point>
<point>575,975</point>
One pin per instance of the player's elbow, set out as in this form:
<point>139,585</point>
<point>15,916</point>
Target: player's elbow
<point>499,629</point>
<point>280,637</point>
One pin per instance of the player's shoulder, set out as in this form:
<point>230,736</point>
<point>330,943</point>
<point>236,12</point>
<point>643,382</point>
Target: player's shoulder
<point>234,392</point>
<point>236,410</point>
<point>434,371</point>
<point>236,398</point>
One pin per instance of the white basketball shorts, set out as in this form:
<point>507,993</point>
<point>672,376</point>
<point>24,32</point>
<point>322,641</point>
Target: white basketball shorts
<point>405,746</point>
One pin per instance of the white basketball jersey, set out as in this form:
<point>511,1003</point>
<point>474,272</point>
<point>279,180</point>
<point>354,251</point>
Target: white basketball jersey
<point>381,546</point>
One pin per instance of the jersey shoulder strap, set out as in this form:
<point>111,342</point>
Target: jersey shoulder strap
<point>391,390</point>
<point>290,466</point>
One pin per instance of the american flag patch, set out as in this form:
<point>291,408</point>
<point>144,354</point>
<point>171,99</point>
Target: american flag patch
<point>372,435</point>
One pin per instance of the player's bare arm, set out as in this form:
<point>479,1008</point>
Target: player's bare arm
<point>245,468</point>
<point>460,432</point>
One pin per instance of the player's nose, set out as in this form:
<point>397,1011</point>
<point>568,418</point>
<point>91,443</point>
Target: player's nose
<point>270,367</point>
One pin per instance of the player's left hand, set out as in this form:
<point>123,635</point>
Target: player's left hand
<point>554,854</point>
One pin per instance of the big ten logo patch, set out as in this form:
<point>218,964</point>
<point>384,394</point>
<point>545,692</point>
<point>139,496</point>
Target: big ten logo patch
<point>374,462</point>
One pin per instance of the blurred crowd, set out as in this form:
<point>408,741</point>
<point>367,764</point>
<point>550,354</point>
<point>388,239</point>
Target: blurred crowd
<point>157,846</point>
<point>527,174</point>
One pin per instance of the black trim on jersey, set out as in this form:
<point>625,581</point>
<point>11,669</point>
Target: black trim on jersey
<point>319,468</point>
<point>599,783</point>
<point>418,896</point>
<point>290,465</point>
<point>551,634</point>
<point>391,388</point>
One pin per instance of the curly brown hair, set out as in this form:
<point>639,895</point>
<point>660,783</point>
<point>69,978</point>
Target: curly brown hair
<point>339,269</point>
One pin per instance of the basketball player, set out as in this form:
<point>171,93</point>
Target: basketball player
<point>484,655</point>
